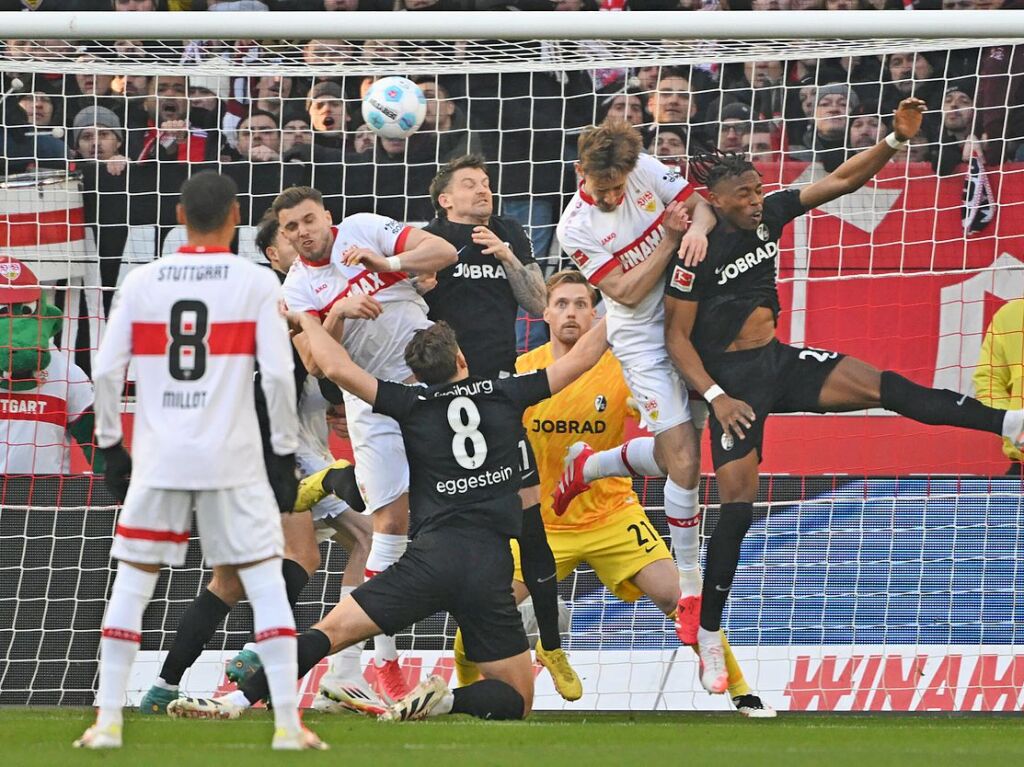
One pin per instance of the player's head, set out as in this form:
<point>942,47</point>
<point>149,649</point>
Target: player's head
<point>209,205</point>
<point>734,187</point>
<point>570,310</point>
<point>274,246</point>
<point>608,154</point>
<point>434,356</point>
<point>461,191</point>
<point>304,222</point>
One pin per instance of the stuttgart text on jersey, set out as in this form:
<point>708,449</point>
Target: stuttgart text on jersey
<point>193,273</point>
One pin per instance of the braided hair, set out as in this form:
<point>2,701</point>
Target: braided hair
<point>711,167</point>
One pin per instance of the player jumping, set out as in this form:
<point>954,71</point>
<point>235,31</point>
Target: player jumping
<point>461,434</point>
<point>720,330</point>
<point>195,323</point>
<point>623,226</point>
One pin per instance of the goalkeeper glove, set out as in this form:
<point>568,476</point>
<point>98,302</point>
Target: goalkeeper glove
<point>284,480</point>
<point>118,471</point>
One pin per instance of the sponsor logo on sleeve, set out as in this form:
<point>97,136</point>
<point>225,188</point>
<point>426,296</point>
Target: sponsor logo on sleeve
<point>393,226</point>
<point>682,279</point>
<point>579,258</point>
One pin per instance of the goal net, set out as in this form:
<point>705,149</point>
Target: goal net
<point>882,569</point>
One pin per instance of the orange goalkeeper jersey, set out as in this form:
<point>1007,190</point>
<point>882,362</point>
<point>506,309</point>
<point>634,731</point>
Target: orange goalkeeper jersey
<point>592,409</point>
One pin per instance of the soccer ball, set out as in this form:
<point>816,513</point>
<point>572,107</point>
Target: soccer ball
<point>394,107</point>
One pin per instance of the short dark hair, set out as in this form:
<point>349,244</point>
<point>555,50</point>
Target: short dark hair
<point>266,231</point>
<point>713,167</point>
<point>294,195</point>
<point>570,277</point>
<point>259,113</point>
<point>207,199</point>
<point>431,354</point>
<point>443,179</point>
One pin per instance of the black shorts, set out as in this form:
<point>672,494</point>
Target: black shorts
<point>528,463</point>
<point>466,571</point>
<point>775,378</point>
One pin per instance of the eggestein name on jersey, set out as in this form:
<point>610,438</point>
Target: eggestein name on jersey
<point>746,262</point>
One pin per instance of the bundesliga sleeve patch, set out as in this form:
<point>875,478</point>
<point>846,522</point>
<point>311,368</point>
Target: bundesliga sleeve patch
<point>682,279</point>
<point>579,258</point>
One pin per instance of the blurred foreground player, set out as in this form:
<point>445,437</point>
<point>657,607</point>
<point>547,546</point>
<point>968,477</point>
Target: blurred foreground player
<point>196,323</point>
<point>720,322</point>
<point>461,434</point>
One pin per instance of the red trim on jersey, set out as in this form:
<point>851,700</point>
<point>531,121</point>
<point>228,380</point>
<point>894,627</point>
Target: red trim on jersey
<point>368,573</point>
<point>202,249</point>
<point>51,227</point>
<point>402,237</point>
<point>381,281</point>
<point>601,273</point>
<point>315,264</point>
<point>122,634</point>
<point>654,225</point>
<point>232,338</point>
<point>142,534</point>
<point>27,406</point>
<point>691,522</point>
<point>281,631</point>
<point>149,338</point>
<point>586,197</point>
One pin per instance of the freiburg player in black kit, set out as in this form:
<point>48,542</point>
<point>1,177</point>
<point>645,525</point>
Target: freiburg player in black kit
<point>720,319</point>
<point>461,434</point>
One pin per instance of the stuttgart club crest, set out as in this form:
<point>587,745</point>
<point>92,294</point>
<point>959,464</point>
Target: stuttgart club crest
<point>10,270</point>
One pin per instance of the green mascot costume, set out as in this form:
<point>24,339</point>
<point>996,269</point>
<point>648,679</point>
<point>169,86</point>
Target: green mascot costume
<point>45,399</point>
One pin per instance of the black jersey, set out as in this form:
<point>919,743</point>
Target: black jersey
<point>737,276</point>
<point>462,443</point>
<point>474,297</point>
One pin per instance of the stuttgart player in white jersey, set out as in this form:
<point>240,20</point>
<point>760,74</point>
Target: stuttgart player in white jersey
<point>196,323</point>
<point>359,272</point>
<point>622,228</point>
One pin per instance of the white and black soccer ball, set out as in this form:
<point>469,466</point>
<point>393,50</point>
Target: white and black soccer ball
<point>394,107</point>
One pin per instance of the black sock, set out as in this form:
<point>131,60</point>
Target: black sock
<point>723,557</point>
<point>196,627</point>
<point>939,407</point>
<point>538,565</point>
<point>312,646</point>
<point>295,579</point>
<point>489,699</point>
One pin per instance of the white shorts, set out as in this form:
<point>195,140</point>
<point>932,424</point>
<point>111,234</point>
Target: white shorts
<point>236,525</point>
<point>382,471</point>
<point>660,395</point>
<point>329,507</point>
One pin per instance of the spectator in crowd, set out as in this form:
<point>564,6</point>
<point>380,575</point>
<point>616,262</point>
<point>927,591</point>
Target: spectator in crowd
<point>443,136</point>
<point>47,398</point>
<point>130,86</point>
<point>259,137</point>
<point>911,74</point>
<point>363,139</point>
<point>865,128</point>
<point>825,141</point>
<point>957,140</point>
<point>622,103</point>
<point>98,135</point>
<point>671,102</point>
<point>1000,97</point>
<point>999,376</point>
<point>918,149</point>
<point>272,93</point>
<point>762,143</point>
<point>93,84</point>
<point>734,129</point>
<point>165,129</point>
<point>668,144</point>
<point>400,184</point>
<point>296,130</point>
<point>22,145</point>
<point>40,108</point>
<point>209,93</point>
<point>755,84</point>
<point>327,115</point>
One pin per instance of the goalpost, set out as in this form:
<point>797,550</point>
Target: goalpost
<point>883,569</point>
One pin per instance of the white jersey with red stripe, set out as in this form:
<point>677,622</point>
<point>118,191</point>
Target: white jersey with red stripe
<point>597,242</point>
<point>377,346</point>
<point>34,423</point>
<point>196,323</point>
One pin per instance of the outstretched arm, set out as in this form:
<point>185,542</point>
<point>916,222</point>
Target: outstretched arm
<point>424,253</point>
<point>333,360</point>
<point>855,172</point>
<point>582,357</point>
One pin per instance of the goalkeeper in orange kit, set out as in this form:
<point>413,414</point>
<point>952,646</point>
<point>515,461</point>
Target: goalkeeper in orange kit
<point>606,527</point>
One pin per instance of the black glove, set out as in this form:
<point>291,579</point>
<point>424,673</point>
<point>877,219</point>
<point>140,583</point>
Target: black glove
<point>118,470</point>
<point>284,480</point>
<point>342,483</point>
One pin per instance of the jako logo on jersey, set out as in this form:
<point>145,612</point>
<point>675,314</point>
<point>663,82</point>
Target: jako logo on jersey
<point>638,252</point>
<point>762,232</point>
<point>600,403</point>
<point>608,238</point>
<point>682,279</point>
<point>568,427</point>
<point>727,442</point>
<point>320,288</point>
<point>480,271</point>
<point>747,262</point>
<point>579,258</point>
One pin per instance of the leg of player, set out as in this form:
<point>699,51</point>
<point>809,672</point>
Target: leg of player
<point>538,565</point>
<point>659,582</point>
<point>390,538</point>
<point>737,487</point>
<point>122,634</point>
<point>854,385</point>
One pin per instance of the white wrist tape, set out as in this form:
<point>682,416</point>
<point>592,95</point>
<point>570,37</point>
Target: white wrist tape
<point>894,142</point>
<point>712,392</point>
<point>394,264</point>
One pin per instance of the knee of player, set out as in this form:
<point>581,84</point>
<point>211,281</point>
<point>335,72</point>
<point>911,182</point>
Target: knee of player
<point>308,557</point>
<point>666,596</point>
<point>526,693</point>
<point>226,586</point>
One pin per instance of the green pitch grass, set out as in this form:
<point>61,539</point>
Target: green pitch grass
<point>42,736</point>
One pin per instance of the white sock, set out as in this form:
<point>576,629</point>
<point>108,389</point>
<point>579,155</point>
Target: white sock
<point>385,550</point>
<point>683,516</point>
<point>165,685</point>
<point>274,628</point>
<point>122,633</point>
<point>347,664</point>
<point>238,697</point>
<point>445,706</point>
<point>630,459</point>
<point>1013,424</point>
<point>706,638</point>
